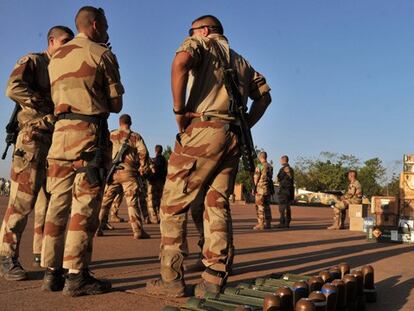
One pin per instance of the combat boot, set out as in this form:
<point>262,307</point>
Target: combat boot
<point>335,225</point>
<point>107,226</point>
<point>83,283</point>
<point>115,218</point>
<point>99,232</point>
<point>204,287</point>
<point>36,260</point>
<point>141,235</point>
<point>11,269</point>
<point>171,283</point>
<point>53,280</point>
<point>260,224</point>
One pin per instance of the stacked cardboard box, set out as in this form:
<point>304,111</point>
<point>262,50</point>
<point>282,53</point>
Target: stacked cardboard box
<point>357,216</point>
<point>385,210</point>
<point>407,187</point>
<point>394,219</point>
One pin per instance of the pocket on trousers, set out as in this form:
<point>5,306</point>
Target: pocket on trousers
<point>22,164</point>
<point>181,168</point>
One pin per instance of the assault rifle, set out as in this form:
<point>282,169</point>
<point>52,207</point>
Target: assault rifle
<point>12,130</point>
<point>119,158</point>
<point>239,110</point>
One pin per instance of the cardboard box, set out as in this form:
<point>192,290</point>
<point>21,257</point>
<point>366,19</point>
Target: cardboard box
<point>407,185</point>
<point>386,220</point>
<point>385,205</point>
<point>356,224</point>
<point>358,210</point>
<point>406,208</point>
<point>408,158</point>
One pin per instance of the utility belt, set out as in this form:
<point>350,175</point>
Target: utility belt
<point>81,117</point>
<point>232,125</point>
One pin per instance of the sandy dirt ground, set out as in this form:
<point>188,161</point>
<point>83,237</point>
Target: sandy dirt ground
<point>307,247</point>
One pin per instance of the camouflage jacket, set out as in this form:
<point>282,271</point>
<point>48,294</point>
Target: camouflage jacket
<point>136,157</point>
<point>29,87</point>
<point>264,179</point>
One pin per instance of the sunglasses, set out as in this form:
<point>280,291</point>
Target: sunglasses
<point>191,30</point>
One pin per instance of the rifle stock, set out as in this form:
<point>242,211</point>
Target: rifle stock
<point>12,130</point>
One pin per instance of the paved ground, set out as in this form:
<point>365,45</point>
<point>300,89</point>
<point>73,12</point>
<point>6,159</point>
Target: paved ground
<point>306,248</point>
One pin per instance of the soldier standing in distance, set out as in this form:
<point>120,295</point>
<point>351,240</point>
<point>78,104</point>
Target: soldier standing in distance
<point>206,155</point>
<point>156,181</point>
<point>352,196</point>
<point>135,162</point>
<point>286,194</point>
<point>86,88</point>
<point>263,179</point>
<point>29,87</point>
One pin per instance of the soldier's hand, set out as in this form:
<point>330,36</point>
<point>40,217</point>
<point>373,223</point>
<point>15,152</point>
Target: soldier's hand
<point>184,120</point>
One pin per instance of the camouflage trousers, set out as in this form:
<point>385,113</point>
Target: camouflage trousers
<point>40,209</point>
<point>27,179</point>
<point>202,168</point>
<point>73,198</point>
<point>263,211</point>
<point>116,204</point>
<point>130,189</point>
<point>154,194</point>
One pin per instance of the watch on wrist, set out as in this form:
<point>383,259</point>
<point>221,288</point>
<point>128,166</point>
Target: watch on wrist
<point>180,112</point>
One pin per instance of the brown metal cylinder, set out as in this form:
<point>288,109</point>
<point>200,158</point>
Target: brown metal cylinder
<point>315,283</point>
<point>360,281</point>
<point>300,290</point>
<point>350,289</point>
<point>368,277</point>
<point>319,300</point>
<point>335,272</point>
<point>305,304</point>
<point>272,303</point>
<point>341,294</point>
<point>344,268</point>
<point>331,293</point>
<point>326,276</point>
<point>286,298</point>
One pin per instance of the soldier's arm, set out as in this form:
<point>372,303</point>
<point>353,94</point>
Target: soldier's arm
<point>143,155</point>
<point>19,85</point>
<point>180,69</point>
<point>113,85</point>
<point>259,92</point>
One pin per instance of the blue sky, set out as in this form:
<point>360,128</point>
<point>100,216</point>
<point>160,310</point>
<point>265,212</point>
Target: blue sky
<point>341,72</point>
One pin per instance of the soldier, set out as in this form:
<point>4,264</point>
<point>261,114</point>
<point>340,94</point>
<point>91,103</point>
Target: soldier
<point>286,193</point>
<point>352,196</point>
<point>28,87</point>
<point>86,87</point>
<point>206,155</point>
<point>2,182</point>
<point>263,179</point>
<point>135,162</point>
<point>156,181</point>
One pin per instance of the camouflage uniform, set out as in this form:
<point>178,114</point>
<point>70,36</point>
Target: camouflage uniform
<point>39,219</point>
<point>286,194</point>
<point>29,87</point>
<point>116,204</point>
<point>125,177</point>
<point>264,189</point>
<point>204,163</point>
<point>155,187</point>
<point>352,196</point>
<point>84,78</point>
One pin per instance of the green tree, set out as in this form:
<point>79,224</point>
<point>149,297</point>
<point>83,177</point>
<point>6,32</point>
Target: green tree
<point>371,175</point>
<point>167,152</point>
